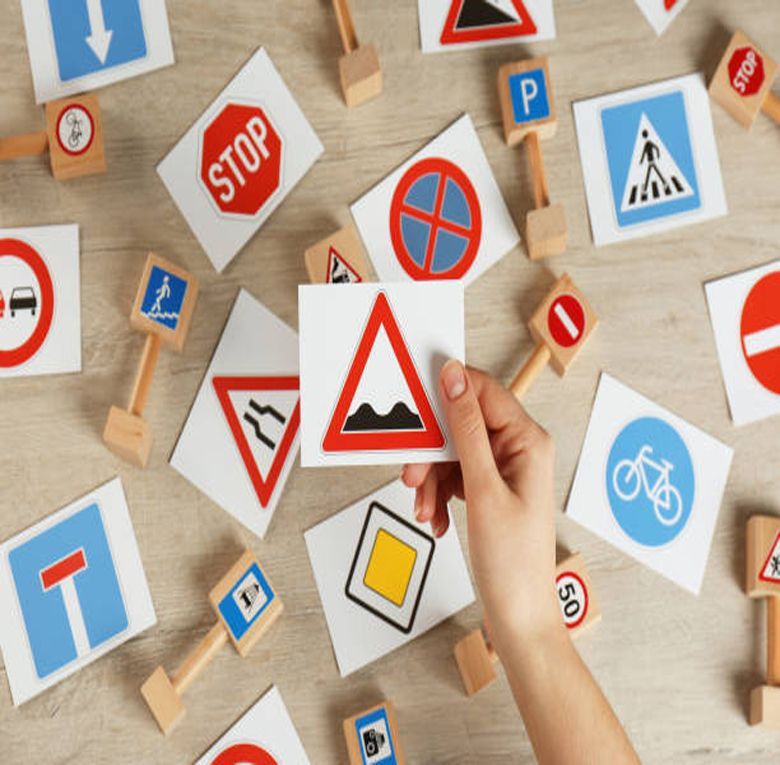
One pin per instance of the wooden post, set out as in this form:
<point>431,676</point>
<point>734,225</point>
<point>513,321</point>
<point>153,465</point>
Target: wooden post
<point>773,640</point>
<point>538,176</point>
<point>771,106</point>
<point>144,375</point>
<point>346,27</point>
<point>530,371</point>
<point>24,145</point>
<point>200,657</point>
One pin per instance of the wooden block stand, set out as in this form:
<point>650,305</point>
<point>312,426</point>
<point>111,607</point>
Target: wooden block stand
<point>359,71</point>
<point>372,736</point>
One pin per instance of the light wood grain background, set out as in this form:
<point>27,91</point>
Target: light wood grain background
<point>678,669</point>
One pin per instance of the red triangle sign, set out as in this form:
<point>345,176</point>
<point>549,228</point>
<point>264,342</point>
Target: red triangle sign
<point>669,4</point>
<point>482,20</point>
<point>267,422</point>
<point>365,430</point>
<point>340,271</point>
<point>771,570</point>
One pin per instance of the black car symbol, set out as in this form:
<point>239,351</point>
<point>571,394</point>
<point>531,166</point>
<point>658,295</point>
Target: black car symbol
<point>23,299</point>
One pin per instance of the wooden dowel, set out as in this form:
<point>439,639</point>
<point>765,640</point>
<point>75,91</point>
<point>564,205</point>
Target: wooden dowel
<point>24,145</point>
<point>346,27</point>
<point>538,176</point>
<point>773,640</point>
<point>196,662</point>
<point>143,378</point>
<point>771,106</point>
<point>530,371</point>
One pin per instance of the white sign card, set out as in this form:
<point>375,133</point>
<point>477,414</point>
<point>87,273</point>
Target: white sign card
<point>382,577</point>
<point>265,733</point>
<point>440,215</point>
<point>649,159</point>
<point>649,483</point>
<point>370,359</point>
<point>745,315</point>
<point>661,13</point>
<point>458,24</point>
<point>40,301</point>
<point>72,588</point>
<point>240,159</point>
<point>86,44</point>
<point>241,438</point>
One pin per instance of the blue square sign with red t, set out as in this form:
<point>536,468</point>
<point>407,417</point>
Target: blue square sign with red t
<point>528,91</point>
<point>93,35</point>
<point>652,170</point>
<point>68,591</point>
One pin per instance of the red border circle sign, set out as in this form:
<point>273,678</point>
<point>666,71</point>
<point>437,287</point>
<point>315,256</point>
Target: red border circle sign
<point>585,599</point>
<point>435,221</point>
<point>760,331</point>
<point>566,320</point>
<point>244,754</point>
<point>17,356</point>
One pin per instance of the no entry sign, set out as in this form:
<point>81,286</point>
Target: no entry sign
<point>760,331</point>
<point>244,754</point>
<point>746,71</point>
<point>566,320</point>
<point>240,160</point>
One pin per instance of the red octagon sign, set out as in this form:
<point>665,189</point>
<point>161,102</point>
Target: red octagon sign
<point>746,71</point>
<point>240,160</point>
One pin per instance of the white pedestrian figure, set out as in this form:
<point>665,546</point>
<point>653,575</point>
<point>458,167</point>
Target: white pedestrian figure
<point>163,293</point>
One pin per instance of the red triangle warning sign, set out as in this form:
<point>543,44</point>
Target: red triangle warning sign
<point>483,20</point>
<point>340,271</point>
<point>771,570</point>
<point>398,427</point>
<point>669,4</point>
<point>263,414</point>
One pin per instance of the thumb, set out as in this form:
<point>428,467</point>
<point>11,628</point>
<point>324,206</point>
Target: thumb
<point>468,430</point>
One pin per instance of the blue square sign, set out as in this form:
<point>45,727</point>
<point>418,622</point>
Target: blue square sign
<point>93,35</point>
<point>246,601</point>
<point>528,91</point>
<point>652,171</point>
<point>163,298</point>
<point>67,587</point>
<point>376,743</point>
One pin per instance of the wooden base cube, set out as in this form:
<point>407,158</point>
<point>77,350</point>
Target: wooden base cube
<point>372,736</point>
<point>360,75</point>
<point>75,137</point>
<point>163,701</point>
<point>128,436</point>
<point>545,232</point>
<point>476,661</point>
<point>765,707</point>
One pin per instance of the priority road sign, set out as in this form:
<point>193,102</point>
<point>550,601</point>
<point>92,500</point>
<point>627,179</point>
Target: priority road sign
<point>760,331</point>
<point>240,160</point>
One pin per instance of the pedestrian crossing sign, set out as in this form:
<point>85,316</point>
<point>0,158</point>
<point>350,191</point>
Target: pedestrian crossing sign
<point>650,160</point>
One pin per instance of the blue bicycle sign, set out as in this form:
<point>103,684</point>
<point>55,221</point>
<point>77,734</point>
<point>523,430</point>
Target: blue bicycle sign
<point>650,481</point>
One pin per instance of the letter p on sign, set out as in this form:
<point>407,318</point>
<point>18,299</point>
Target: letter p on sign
<point>240,160</point>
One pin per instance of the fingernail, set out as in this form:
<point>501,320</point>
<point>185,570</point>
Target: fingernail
<point>417,506</point>
<point>453,379</point>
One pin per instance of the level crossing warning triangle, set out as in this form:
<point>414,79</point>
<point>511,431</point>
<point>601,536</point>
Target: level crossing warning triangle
<point>481,20</point>
<point>771,570</point>
<point>406,419</point>
<point>653,176</point>
<point>263,414</point>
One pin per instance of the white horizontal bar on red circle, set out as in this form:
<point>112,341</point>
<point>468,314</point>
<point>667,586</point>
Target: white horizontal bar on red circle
<point>762,341</point>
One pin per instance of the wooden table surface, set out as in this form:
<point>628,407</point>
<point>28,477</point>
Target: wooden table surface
<point>678,669</point>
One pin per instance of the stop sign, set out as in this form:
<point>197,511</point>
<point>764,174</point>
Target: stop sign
<point>566,320</point>
<point>240,159</point>
<point>746,71</point>
<point>760,331</point>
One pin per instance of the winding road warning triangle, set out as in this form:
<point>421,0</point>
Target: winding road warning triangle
<point>274,430</point>
<point>399,429</point>
<point>339,270</point>
<point>482,20</point>
<point>653,175</point>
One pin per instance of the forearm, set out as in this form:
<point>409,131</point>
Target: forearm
<point>566,715</point>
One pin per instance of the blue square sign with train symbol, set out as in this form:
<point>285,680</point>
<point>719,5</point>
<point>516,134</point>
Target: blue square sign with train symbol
<point>163,298</point>
<point>246,601</point>
<point>376,743</point>
<point>528,91</point>
<point>94,35</point>
<point>68,590</point>
<point>650,158</point>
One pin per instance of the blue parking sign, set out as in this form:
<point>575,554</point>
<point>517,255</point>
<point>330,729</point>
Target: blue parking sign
<point>528,91</point>
<point>68,591</point>
<point>164,297</point>
<point>652,170</point>
<point>93,35</point>
<point>650,481</point>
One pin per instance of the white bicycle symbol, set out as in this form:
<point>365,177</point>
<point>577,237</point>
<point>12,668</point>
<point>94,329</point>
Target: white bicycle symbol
<point>630,476</point>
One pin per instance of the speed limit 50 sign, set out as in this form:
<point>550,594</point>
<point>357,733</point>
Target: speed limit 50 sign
<point>239,160</point>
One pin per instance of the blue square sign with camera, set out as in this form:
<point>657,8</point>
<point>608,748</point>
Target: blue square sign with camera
<point>376,744</point>
<point>94,35</point>
<point>652,171</point>
<point>528,91</point>
<point>246,601</point>
<point>68,590</point>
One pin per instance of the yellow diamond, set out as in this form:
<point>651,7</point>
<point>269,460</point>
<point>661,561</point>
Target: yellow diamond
<point>390,567</point>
